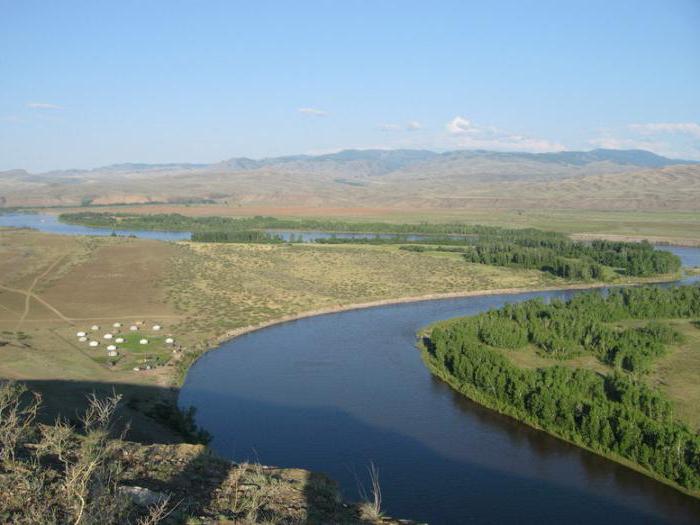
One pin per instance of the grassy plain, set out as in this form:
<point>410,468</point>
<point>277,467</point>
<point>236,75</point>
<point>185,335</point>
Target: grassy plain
<point>236,285</point>
<point>54,286</point>
<point>677,373</point>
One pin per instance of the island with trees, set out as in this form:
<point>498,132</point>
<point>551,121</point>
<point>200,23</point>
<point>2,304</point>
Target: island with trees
<point>587,376</point>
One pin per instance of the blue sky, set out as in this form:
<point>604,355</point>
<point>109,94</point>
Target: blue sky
<point>84,84</point>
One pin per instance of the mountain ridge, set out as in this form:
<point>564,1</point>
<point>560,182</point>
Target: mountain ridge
<point>398,158</point>
<point>466,179</point>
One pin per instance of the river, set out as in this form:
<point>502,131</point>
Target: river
<point>335,392</point>
<point>48,223</point>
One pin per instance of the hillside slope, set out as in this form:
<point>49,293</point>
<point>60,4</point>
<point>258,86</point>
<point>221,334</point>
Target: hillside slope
<point>598,179</point>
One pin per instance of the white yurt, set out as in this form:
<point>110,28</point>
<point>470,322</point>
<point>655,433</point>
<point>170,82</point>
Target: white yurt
<point>112,347</point>
<point>143,342</point>
<point>169,340</point>
<point>112,353</point>
<point>136,369</point>
<point>156,327</point>
<point>80,334</point>
<point>93,343</point>
<point>108,336</point>
<point>133,328</point>
<point>94,327</point>
<point>82,339</point>
<point>116,325</point>
<point>119,340</point>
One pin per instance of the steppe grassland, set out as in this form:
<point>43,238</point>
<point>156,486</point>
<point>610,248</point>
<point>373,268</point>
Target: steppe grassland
<point>231,286</point>
<point>54,286</point>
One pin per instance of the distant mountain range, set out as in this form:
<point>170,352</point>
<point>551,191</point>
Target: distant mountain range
<point>393,178</point>
<point>387,161</point>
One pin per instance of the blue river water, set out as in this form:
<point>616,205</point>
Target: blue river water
<point>48,223</point>
<point>335,392</point>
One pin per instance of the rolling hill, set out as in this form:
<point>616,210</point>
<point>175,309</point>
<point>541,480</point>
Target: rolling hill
<point>597,179</point>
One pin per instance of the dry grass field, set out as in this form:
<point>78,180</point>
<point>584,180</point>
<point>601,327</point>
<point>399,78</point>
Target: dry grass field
<point>52,286</point>
<point>229,286</point>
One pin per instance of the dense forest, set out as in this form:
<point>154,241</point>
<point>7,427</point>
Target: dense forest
<point>616,413</point>
<point>522,248</point>
<point>576,260</point>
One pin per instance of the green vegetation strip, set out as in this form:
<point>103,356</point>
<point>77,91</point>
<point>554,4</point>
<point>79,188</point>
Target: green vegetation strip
<point>614,414</point>
<point>523,248</point>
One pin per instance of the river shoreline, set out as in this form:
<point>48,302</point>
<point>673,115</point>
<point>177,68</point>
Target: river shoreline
<point>474,396</point>
<point>237,332</point>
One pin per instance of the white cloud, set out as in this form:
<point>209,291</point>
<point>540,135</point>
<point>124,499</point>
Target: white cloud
<point>609,142</point>
<point>653,128</point>
<point>466,134</point>
<point>459,125</point>
<point>671,139</point>
<point>42,105</point>
<point>313,112</point>
<point>412,125</point>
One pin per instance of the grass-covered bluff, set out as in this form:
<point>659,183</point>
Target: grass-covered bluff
<point>607,407</point>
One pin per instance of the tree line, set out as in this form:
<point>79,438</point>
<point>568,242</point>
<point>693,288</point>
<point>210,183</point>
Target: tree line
<point>251,236</point>
<point>178,222</point>
<point>615,413</point>
<point>576,260</point>
<point>564,329</point>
